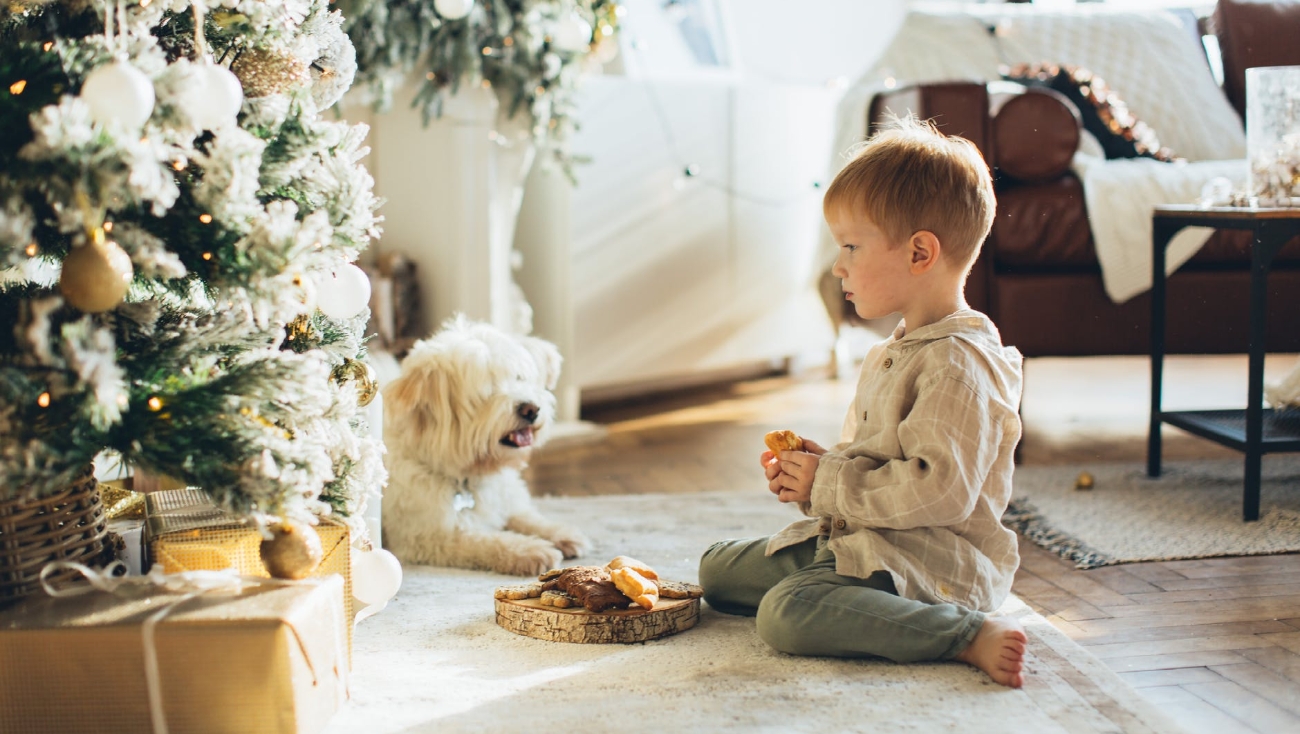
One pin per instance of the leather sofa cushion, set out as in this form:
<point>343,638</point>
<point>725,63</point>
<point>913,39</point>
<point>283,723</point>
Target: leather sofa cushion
<point>1254,34</point>
<point>957,108</point>
<point>1035,132</point>
<point>1043,228</point>
<point>1069,314</point>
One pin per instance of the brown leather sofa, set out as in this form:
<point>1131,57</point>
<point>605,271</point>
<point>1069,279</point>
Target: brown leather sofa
<point>1038,277</point>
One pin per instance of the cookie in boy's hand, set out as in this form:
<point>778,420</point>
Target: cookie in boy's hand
<point>778,441</point>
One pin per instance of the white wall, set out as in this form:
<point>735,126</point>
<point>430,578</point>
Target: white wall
<point>640,274</point>
<point>677,277</point>
<point>812,41</point>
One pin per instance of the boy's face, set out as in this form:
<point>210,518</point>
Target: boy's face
<point>874,272</point>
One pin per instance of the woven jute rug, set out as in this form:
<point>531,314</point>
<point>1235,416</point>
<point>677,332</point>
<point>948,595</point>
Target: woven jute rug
<point>435,661</point>
<point>1193,510</point>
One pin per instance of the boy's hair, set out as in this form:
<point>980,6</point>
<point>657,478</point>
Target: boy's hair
<point>910,177</point>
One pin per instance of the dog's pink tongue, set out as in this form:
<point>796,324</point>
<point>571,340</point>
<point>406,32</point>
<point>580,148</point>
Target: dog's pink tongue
<point>522,437</point>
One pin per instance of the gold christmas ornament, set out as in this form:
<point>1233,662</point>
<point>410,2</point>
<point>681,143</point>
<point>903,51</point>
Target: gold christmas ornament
<point>293,551</point>
<point>96,274</point>
<point>264,73</point>
<point>360,373</point>
<point>1084,481</point>
<point>299,328</point>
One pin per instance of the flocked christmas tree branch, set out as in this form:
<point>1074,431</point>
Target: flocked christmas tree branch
<point>171,202</point>
<point>529,52</point>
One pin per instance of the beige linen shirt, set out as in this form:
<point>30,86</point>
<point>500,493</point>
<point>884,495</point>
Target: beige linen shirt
<point>922,475</point>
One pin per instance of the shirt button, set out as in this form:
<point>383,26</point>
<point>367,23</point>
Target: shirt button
<point>889,362</point>
<point>841,524</point>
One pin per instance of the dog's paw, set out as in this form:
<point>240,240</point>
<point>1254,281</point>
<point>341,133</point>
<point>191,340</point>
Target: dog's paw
<point>532,560</point>
<point>572,545</point>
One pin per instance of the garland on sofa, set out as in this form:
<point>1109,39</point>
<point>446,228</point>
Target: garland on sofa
<point>529,52</point>
<point>1105,115</point>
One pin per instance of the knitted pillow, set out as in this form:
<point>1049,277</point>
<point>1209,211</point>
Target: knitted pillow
<point>1104,114</point>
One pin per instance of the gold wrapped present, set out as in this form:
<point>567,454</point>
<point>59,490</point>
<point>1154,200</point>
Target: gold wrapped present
<point>184,531</point>
<point>141,658</point>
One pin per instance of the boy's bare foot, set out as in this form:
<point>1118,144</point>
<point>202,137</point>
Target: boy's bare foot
<point>999,650</point>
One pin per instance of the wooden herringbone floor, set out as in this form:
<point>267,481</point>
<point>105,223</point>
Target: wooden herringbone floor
<point>1214,643</point>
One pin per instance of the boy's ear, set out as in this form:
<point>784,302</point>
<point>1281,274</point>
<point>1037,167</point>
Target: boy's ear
<point>925,249</point>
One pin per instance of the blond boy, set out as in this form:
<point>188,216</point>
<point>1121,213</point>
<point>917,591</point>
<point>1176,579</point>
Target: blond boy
<point>902,554</point>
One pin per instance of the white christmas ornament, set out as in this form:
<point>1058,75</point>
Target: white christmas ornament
<point>571,34</point>
<point>344,293</point>
<point>453,9</point>
<point>376,576</point>
<point>215,100</point>
<point>118,93</point>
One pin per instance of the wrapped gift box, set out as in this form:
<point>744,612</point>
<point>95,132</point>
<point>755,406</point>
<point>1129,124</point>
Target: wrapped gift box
<point>266,659</point>
<point>184,531</point>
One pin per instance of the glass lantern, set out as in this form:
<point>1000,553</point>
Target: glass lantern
<point>1273,134</point>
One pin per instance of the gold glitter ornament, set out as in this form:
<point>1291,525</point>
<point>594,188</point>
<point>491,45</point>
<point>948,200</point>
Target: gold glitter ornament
<point>299,328</point>
<point>293,551</point>
<point>96,274</point>
<point>265,73</point>
<point>361,375</point>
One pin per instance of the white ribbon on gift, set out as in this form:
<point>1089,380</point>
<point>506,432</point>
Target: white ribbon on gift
<point>190,585</point>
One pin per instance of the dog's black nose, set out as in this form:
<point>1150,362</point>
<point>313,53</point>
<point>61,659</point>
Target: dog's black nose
<point>528,412</point>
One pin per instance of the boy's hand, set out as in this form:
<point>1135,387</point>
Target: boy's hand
<point>771,465</point>
<point>791,477</point>
<point>813,447</point>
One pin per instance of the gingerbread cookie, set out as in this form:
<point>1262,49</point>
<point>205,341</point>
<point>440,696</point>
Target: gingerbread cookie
<point>524,591</point>
<point>592,586</point>
<point>557,599</point>
<point>679,590</point>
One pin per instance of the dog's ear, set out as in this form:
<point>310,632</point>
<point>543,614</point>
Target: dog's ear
<point>548,359</point>
<point>415,394</point>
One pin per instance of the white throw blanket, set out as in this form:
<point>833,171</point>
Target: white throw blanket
<point>1120,195</point>
<point>1147,57</point>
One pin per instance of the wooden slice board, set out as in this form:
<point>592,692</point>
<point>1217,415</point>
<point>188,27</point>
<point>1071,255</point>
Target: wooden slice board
<point>529,617</point>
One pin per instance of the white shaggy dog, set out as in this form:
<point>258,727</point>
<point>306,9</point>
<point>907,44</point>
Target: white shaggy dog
<point>459,425</point>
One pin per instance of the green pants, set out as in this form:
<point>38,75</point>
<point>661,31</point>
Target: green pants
<point>804,608</point>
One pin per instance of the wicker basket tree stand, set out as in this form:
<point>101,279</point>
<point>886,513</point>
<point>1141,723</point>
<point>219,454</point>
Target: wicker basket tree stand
<point>67,526</point>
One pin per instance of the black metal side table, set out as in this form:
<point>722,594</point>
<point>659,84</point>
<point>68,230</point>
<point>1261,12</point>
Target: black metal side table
<point>1255,430</point>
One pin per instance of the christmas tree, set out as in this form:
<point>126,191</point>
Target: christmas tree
<point>177,223</point>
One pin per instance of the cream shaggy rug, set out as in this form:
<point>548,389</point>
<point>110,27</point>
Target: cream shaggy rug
<point>1193,510</point>
<point>435,661</point>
